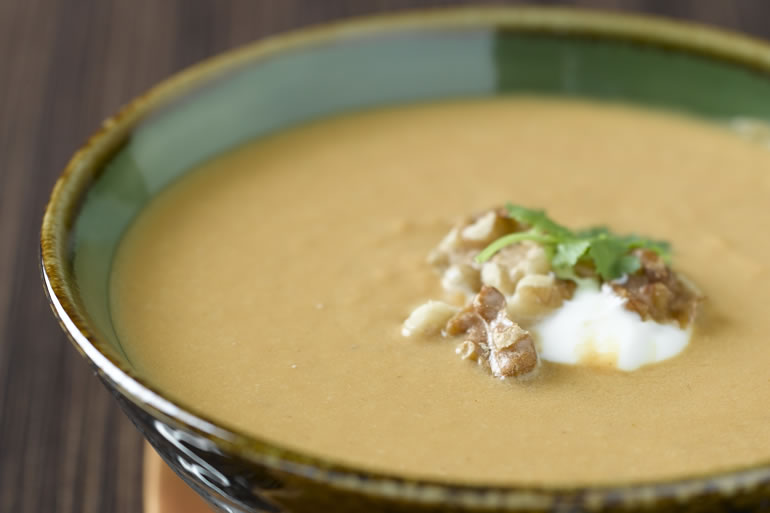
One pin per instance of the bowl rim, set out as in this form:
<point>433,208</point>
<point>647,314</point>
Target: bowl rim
<point>86,164</point>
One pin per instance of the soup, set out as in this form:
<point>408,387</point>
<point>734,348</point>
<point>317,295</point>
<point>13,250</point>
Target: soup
<point>268,289</point>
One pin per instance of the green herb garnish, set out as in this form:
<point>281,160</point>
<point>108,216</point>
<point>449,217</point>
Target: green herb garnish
<point>609,253</point>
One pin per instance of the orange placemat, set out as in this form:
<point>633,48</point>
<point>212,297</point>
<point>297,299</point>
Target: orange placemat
<point>164,491</point>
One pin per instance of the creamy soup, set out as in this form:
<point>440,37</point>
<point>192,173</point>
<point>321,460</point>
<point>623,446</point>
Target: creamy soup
<point>268,289</point>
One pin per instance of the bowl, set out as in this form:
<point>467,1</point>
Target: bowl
<point>290,79</point>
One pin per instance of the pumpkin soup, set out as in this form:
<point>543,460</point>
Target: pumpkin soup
<point>269,289</point>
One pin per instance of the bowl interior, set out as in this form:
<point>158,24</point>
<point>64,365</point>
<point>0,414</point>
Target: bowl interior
<point>272,87</point>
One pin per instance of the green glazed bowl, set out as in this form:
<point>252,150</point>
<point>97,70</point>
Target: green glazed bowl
<point>284,81</point>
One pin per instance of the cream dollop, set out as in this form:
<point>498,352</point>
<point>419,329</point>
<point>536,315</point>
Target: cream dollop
<point>594,326</point>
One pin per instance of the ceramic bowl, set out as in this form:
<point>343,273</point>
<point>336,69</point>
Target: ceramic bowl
<point>287,80</point>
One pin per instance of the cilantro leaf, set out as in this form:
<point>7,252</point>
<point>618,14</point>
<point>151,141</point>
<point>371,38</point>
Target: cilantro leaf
<point>627,264</point>
<point>569,252</point>
<point>610,253</point>
<point>594,231</point>
<point>611,258</point>
<point>660,247</point>
<point>537,220</point>
<point>605,252</point>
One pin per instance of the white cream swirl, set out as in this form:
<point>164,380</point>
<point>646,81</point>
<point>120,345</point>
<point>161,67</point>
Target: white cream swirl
<point>594,327</point>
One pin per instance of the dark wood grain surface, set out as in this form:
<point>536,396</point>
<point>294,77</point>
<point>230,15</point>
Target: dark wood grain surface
<point>64,66</point>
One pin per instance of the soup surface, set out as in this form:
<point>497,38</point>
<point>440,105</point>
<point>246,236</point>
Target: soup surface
<point>267,289</point>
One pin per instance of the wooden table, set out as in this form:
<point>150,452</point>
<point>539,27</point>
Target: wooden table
<point>64,66</point>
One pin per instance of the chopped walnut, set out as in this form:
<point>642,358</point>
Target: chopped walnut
<point>519,360</point>
<point>497,276</point>
<point>486,228</point>
<point>428,318</point>
<point>656,292</point>
<point>537,295</point>
<point>462,278</point>
<point>469,236</point>
<point>468,350</point>
<point>454,258</point>
<point>492,339</point>
<point>488,303</point>
<point>522,259</point>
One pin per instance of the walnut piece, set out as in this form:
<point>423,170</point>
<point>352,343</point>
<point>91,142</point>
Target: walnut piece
<point>656,292</point>
<point>485,228</point>
<point>454,257</point>
<point>428,318</point>
<point>492,339</point>
<point>519,360</point>
<point>537,295</point>
<point>520,260</point>
<point>461,277</point>
<point>468,350</point>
